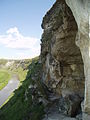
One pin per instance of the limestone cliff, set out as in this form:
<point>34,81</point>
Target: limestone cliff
<point>62,61</point>
<point>57,86</point>
<point>64,47</point>
<point>81,14</point>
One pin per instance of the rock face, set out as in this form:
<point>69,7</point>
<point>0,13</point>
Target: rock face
<point>63,69</point>
<point>61,58</point>
<point>83,41</point>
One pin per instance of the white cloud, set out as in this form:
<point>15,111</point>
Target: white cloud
<point>21,55</point>
<point>14,39</point>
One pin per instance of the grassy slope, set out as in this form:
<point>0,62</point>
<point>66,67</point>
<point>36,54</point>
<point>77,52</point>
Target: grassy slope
<point>21,73</point>
<point>3,61</point>
<point>6,73</point>
<point>20,68</point>
<point>4,78</point>
<point>20,109</point>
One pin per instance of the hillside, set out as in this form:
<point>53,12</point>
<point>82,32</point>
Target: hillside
<point>57,84</point>
<point>10,67</point>
<point>28,94</point>
<point>5,76</point>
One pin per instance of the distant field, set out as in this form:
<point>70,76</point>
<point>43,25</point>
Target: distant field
<point>4,78</point>
<point>19,67</point>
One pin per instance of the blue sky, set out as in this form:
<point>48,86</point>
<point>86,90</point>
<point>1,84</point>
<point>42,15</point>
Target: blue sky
<point>20,27</point>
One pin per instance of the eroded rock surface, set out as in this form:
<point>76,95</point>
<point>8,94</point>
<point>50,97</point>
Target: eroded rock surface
<point>63,71</point>
<point>81,12</point>
<point>82,19</point>
<point>61,58</point>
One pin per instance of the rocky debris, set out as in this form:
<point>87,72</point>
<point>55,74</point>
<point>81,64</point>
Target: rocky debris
<point>79,117</point>
<point>32,86</point>
<point>43,101</point>
<point>70,105</point>
<point>58,116</point>
<point>52,97</point>
<point>37,96</point>
<point>86,116</point>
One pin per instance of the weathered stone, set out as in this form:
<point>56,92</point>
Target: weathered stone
<point>43,100</point>
<point>70,105</point>
<point>62,64</point>
<point>79,117</point>
<point>65,50</point>
<point>83,40</point>
<point>57,117</point>
<point>61,58</point>
<point>86,116</point>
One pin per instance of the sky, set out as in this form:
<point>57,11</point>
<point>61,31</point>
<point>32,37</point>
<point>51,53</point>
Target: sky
<point>20,27</point>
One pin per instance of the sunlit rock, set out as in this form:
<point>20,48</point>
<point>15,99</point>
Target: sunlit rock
<point>81,12</point>
<point>62,64</point>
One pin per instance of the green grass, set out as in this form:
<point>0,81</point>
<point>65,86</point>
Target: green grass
<point>20,73</point>
<point>3,61</point>
<point>7,100</point>
<point>18,108</point>
<point>5,76</point>
<point>22,68</point>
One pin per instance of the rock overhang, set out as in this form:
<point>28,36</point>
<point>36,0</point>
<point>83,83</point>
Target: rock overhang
<point>81,12</point>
